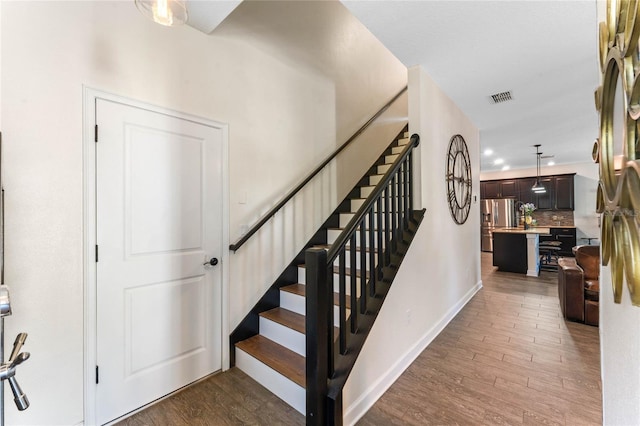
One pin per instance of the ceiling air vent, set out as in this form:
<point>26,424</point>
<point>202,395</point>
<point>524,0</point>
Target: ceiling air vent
<point>500,97</point>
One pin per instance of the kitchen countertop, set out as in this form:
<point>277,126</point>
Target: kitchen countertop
<point>533,230</point>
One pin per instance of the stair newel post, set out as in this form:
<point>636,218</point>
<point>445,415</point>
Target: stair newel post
<point>415,139</point>
<point>319,319</point>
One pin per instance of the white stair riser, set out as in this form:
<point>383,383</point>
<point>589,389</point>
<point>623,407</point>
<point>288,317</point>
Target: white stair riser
<point>346,217</point>
<point>296,303</point>
<point>365,191</point>
<point>282,387</point>
<point>404,141</point>
<point>397,149</point>
<point>383,169</point>
<point>302,279</point>
<point>373,180</point>
<point>332,235</point>
<point>358,202</point>
<point>283,335</point>
<point>388,159</point>
<point>347,260</point>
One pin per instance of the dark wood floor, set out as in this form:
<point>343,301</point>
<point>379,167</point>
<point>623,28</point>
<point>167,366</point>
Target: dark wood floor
<point>507,358</point>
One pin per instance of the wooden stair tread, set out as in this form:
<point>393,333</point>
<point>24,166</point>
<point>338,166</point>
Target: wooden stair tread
<point>287,318</point>
<point>300,290</point>
<point>281,359</point>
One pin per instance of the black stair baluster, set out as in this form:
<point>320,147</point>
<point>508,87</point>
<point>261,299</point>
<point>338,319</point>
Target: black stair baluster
<point>387,227</point>
<point>405,195</point>
<point>342,300</point>
<point>410,162</point>
<point>394,218</point>
<point>372,289</point>
<point>401,208</point>
<point>353,303</point>
<point>372,262</point>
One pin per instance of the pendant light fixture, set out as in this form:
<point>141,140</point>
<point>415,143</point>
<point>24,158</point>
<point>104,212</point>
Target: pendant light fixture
<point>537,188</point>
<point>164,12</point>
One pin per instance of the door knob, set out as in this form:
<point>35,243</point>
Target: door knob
<point>213,262</point>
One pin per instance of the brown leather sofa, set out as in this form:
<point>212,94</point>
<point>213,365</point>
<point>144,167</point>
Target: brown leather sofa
<point>578,285</point>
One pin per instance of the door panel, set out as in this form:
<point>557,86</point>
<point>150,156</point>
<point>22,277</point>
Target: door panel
<point>159,217</point>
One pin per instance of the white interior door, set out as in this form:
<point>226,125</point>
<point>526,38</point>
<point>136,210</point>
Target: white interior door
<point>159,218</point>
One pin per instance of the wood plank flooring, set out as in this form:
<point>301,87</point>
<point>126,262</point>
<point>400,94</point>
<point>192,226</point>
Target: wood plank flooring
<point>507,358</point>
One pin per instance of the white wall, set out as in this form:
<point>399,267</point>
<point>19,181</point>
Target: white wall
<point>619,341</point>
<point>282,120</point>
<point>441,271</point>
<point>585,187</point>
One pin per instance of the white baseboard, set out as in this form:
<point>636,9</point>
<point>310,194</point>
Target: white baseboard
<point>355,411</point>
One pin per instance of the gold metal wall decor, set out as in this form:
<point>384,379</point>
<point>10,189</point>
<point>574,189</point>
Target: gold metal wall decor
<point>618,196</point>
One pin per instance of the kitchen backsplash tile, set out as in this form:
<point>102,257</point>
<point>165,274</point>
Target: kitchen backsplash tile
<point>553,218</point>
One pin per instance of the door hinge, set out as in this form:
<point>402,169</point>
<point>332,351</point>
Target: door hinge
<point>96,253</point>
<point>97,375</point>
<point>96,133</point>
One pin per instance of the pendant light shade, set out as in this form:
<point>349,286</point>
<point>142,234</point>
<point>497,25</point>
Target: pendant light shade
<point>537,188</point>
<point>164,12</point>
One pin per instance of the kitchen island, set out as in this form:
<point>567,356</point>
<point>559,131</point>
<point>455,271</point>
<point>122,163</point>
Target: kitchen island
<point>516,249</point>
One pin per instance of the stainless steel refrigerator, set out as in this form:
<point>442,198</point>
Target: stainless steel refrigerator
<point>496,213</point>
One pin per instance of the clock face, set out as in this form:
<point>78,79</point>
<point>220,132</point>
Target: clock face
<point>458,179</point>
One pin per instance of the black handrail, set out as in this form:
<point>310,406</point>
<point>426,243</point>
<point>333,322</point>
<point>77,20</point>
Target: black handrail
<point>317,170</point>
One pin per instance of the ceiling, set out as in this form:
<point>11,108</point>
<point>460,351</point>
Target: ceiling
<point>543,52</point>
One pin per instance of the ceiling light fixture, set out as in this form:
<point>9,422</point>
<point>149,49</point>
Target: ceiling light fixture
<point>488,152</point>
<point>551,163</point>
<point>537,188</point>
<point>164,12</point>
<point>498,161</point>
<point>506,167</point>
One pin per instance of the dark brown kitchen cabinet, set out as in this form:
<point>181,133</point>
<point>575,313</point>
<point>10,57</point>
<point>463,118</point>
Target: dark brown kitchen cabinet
<point>509,189</point>
<point>526,195</point>
<point>546,200</point>
<point>564,192</point>
<point>559,195</point>
<point>499,189</point>
<point>491,189</point>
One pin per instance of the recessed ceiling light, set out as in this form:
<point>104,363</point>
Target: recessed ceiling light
<point>488,151</point>
<point>551,163</point>
<point>506,167</point>
<point>498,161</point>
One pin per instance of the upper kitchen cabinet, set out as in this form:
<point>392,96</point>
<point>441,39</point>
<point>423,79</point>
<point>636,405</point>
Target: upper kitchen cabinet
<point>499,189</point>
<point>526,195</point>
<point>559,195</point>
<point>509,189</point>
<point>564,192</point>
<point>546,200</point>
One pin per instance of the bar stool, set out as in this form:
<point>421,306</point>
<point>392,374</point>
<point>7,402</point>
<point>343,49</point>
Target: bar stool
<point>549,255</point>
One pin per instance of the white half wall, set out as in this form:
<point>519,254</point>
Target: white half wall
<point>441,270</point>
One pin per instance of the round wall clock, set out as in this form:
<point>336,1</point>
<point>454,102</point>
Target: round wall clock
<point>458,179</point>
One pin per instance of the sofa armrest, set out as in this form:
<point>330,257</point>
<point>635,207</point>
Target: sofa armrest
<point>571,289</point>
